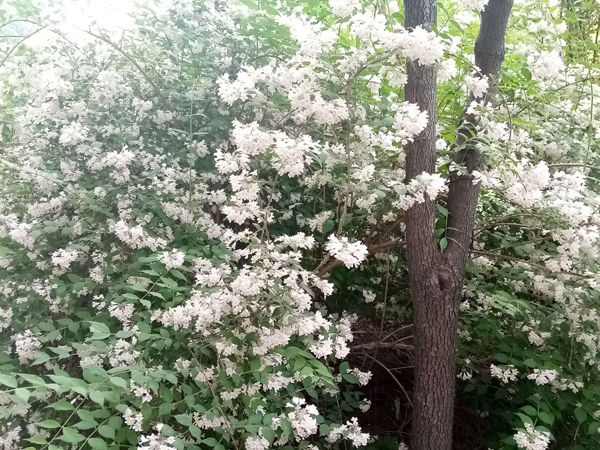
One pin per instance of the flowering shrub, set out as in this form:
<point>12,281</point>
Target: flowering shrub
<point>174,197</point>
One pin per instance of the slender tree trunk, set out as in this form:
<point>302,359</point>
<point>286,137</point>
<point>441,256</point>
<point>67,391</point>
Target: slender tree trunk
<point>436,279</point>
<point>433,282</point>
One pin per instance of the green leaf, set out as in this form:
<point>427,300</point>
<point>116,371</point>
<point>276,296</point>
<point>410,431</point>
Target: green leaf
<point>37,439</point>
<point>106,431</point>
<point>8,380</point>
<point>33,379</point>
<point>100,331</point>
<point>593,428</point>
<point>344,367</point>
<point>62,405</point>
<point>118,381</point>
<point>580,415</point>
<point>40,358</point>
<point>97,443</point>
<point>529,410</point>
<point>269,434</point>
<point>350,378</point>
<point>184,419</point>
<point>443,243</point>
<point>97,397</point>
<point>71,436</point>
<point>49,424</point>
<point>525,418</point>
<point>178,274</point>
<point>546,417</point>
<point>211,442</point>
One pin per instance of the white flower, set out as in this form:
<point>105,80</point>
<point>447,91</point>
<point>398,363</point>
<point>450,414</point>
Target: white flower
<point>26,346</point>
<point>477,85</point>
<point>133,419</point>
<point>344,8</point>
<point>545,65</point>
<point>369,296</point>
<point>257,443</point>
<point>474,5</point>
<point>63,258</point>
<point>363,377</point>
<point>351,431</point>
<point>173,259</point>
<point>352,254</point>
<point>410,120</point>
<point>504,374</point>
<point>364,174</point>
<point>544,376</point>
<point>302,418</point>
<point>5,318</point>
<point>422,46</point>
<point>364,405</point>
<point>531,439</point>
<point>447,69</point>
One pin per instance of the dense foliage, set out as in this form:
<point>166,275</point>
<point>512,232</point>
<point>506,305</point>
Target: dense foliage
<point>195,211</point>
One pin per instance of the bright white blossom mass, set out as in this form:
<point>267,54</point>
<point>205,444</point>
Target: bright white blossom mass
<point>198,213</point>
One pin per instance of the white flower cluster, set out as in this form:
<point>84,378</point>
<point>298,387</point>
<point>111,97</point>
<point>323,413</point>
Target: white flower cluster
<point>173,259</point>
<point>302,418</point>
<point>63,258</point>
<point>6,315</point>
<point>428,184</point>
<point>352,254</point>
<point>474,5</point>
<point>344,8</point>
<point>532,439</point>
<point>504,374</point>
<point>136,237</point>
<point>543,376</point>
<point>256,443</point>
<point>155,441</point>
<point>546,65</point>
<point>363,377</point>
<point>133,419</point>
<point>410,121</point>
<point>478,85</point>
<point>351,431</point>
<point>26,346</point>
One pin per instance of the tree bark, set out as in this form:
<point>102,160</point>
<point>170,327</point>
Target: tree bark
<point>463,194</point>
<point>433,282</point>
<point>435,278</point>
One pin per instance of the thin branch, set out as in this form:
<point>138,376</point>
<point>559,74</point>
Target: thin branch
<point>328,264</point>
<point>524,261</point>
<point>131,59</point>
<point>20,42</point>
<point>567,165</point>
<point>393,376</point>
<point>390,345</point>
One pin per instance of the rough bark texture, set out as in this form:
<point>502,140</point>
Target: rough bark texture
<point>436,278</point>
<point>432,280</point>
<point>463,194</point>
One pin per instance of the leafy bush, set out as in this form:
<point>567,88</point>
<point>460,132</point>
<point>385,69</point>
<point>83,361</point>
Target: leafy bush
<point>175,197</point>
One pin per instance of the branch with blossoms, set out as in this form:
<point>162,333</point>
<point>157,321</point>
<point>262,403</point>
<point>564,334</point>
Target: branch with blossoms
<point>329,263</point>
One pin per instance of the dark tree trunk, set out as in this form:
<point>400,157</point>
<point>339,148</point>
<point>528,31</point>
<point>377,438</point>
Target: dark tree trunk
<point>436,278</point>
<point>463,194</point>
<point>433,282</point>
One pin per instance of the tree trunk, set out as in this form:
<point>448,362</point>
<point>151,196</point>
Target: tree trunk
<point>436,278</point>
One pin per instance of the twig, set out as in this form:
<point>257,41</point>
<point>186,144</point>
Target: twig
<point>328,264</point>
<point>392,345</point>
<point>20,42</point>
<point>393,376</point>
<point>524,261</point>
<point>130,58</point>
